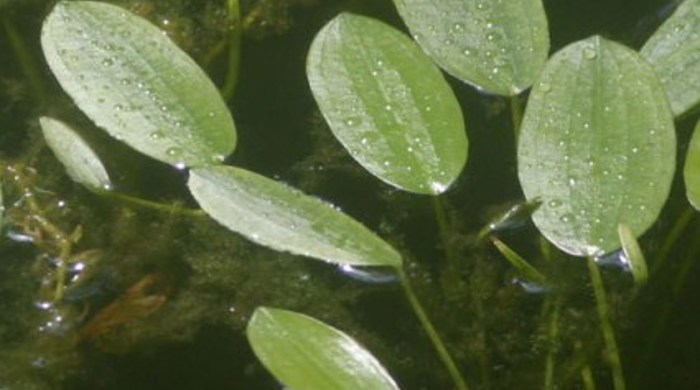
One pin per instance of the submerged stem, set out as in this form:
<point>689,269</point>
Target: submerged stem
<point>552,335</point>
<point>444,228</point>
<point>440,347</point>
<point>234,49</point>
<point>153,205</point>
<point>612,351</point>
<point>516,115</point>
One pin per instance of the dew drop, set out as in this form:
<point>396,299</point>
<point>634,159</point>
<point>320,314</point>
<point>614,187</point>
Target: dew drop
<point>589,53</point>
<point>173,151</point>
<point>566,218</point>
<point>554,203</point>
<point>156,135</point>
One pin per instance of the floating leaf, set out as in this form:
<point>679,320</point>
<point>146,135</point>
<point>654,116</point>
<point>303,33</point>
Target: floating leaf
<point>80,161</point>
<point>282,218</point>
<point>304,353</point>
<point>387,104</point>
<point>134,82</point>
<point>674,51</point>
<point>691,171</point>
<point>597,146</point>
<point>498,46</point>
<point>633,254</point>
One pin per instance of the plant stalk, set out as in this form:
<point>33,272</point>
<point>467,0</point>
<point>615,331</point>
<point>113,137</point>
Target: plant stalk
<point>153,205</point>
<point>440,347</point>
<point>612,351</point>
<point>516,115</point>
<point>234,49</point>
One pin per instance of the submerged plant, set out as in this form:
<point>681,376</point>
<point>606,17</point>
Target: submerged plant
<point>595,151</point>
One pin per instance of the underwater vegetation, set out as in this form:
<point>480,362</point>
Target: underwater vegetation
<point>494,204</point>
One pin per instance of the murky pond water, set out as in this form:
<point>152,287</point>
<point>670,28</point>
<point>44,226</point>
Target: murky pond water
<point>159,298</point>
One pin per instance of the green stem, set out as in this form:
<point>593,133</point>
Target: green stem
<point>552,335</point>
<point>168,208</point>
<point>443,227</point>
<point>612,351</point>
<point>440,347</point>
<point>234,49</point>
<point>26,61</point>
<point>586,373</point>
<point>669,243</point>
<point>516,115</point>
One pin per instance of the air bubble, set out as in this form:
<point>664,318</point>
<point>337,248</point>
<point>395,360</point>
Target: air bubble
<point>364,141</point>
<point>458,26</point>
<point>107,62</point>
<point>545,87</point>
<point>156,135</point>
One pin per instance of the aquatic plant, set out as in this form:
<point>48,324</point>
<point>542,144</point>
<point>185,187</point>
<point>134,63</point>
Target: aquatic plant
<point>596,144</point>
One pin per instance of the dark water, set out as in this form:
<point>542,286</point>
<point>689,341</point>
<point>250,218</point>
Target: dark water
<point>499,332</point>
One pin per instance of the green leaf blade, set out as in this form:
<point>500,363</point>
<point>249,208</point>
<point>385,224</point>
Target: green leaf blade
<point>691,170</point>
<point>80,161</point>
<point>674,51</point>
<point>135,83</point>
<point>499,47</point>
<point>282,218</point>
<point>597,146</point>
<point>387,104</point>
<point>304,353</point>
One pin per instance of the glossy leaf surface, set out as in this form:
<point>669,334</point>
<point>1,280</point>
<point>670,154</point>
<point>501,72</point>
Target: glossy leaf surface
<point>498,46</point>
<point>388,104</point>
<point>597,146</point>
<point>304,353</point>
<point>674,51</point>
<point>80,161</point>
<point>280,217</point>
<point>691,171</point>
<point>135,83</point>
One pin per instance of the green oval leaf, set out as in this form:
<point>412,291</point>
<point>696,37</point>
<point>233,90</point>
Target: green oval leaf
<point>633,253</point>
<point>498,46</point>
<point>80,161</point>
<point>691,171</point>
<point>134,82</point>
<point>674,51</point>
<point>597,146</point>
<point>387,104</point>
<point>277,216</point>
<point>304,353</point>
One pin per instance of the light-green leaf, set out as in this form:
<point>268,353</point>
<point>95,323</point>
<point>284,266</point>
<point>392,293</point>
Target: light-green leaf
<point>691,171</point>
<point>597,146</point>
<point>306,354</point>
<point>498,46</point>
<point>674,51</point>
<point>135,83</point>
<point>634,255</point>
<point>388,104</point>
<point>282,218</point>
<point>80,161</point>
